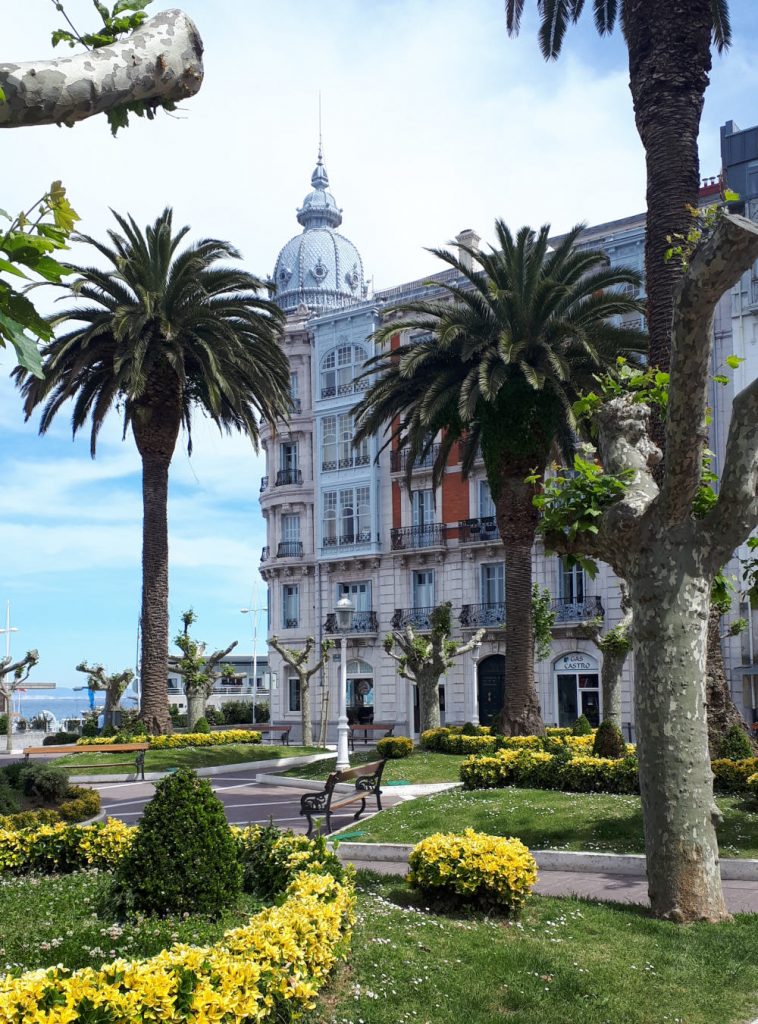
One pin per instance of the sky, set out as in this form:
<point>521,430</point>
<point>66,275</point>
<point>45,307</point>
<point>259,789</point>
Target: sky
<point>434,120</point>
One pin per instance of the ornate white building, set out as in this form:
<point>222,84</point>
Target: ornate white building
<point>339,521</point>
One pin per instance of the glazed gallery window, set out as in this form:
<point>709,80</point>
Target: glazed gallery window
<point>290,606</point>
<point>293,686</point>
<point>347,516</point>
<point>339,369</point>
<point>337,451</point>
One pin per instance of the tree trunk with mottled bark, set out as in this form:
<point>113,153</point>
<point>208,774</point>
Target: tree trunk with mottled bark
<point>195,708</point>
<point>428,700</point>
<point>610,683</point>
<point>517,521</point>
<point>161,62</point>
<point>8,723</point>
<point>670,598</point>
<point>305,709</point>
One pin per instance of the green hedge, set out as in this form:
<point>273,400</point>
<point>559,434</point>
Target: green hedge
<point>731,776</point>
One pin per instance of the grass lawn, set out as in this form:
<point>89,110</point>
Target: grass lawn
<point>546,819</point>
<point>66,920</point>
<point>182,757</point>
<point>421,766</point>
<point>566,961</point>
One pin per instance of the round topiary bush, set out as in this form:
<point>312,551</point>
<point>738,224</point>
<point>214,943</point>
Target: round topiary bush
<point>395,747</point>
<point>735,746</point>
<point>201,725</point>
<point>8,798</point>
<point>609,741</point>
<point>581,726</point>
<point>489,871</point>
<point>42,783</point>
<point>183,857</point>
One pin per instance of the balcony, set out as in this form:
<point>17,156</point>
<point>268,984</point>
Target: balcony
<point>352,387</point>
<point>328,465</point>
<point>399,459</point>
<point>348,540</point>
<point>483,616</point>
<point>265,553</point>
<point>291,623</point>
<point>477,531</point>
<point>363,622</point>
<point>567,610</point>
<point>288,477</point>
<point>417,618</point>
<point>297,406</point>
<point>411,538</point>
<point>290,549</point>
<point>264,483</point>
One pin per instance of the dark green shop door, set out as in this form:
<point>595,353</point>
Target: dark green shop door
<point>491,688</point>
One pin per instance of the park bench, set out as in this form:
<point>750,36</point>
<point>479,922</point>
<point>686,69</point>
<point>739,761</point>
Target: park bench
<point>367,778</point>
<point>138,749</point>
<point>272,730</point>
<point>369,727</point>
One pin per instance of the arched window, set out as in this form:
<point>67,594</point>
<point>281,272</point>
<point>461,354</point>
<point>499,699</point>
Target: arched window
<point>339,368</point>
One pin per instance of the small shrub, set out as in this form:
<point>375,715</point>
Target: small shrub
<point>8,798</point>
<point>609,741</point>
<point>57,739</point>
<point>519,743</point>
<point>752,786</point>
<point>270,858</point>
<point>90,724</point>
<point>201,725</point>
<point>262,711</point>
<point>80,804</point>
<point>432,738</point>
<point>489,871</point>
<point>132,727</point>
<point>731,776</point>
<point>457,743</point>
<point>42,783</point>
<point>469,729</point>
<point>174,714</point>
<point>395,747</point>
<point>581,726</point>
<point>183,858</point>
<point>214,715</point>
<point>3,725</point>
<point>735,745</point>
<point>237,712</point>
<point>29,819</point>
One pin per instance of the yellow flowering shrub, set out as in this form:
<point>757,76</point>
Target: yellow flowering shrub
<point>521,743</point>
<point>269,970</point>
<point>182,739</point>
<point>489,871</point>
<point>752,785</point>
<point>537,769</point>
<point>732,776</point>
<point>63,847</point>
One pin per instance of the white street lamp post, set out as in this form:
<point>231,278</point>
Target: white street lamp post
<point>253,612</point>
<point>476,650</point>
<point>344,612</point>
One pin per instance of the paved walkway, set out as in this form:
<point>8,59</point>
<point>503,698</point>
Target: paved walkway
<point>741,897</point>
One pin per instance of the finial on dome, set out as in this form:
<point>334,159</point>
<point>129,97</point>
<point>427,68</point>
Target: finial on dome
<point>319,178</point>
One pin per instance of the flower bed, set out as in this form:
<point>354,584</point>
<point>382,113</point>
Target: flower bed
<point>453,740</point>
<point>474,868</point>
<point>580,773</point>
<point>177,740</point>
<point>268,970</point>
<point>80,803</point>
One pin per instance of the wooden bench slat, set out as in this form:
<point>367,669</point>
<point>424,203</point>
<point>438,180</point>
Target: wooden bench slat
<point>101,748</point>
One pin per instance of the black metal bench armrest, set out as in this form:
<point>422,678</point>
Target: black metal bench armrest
<point>314,801</point>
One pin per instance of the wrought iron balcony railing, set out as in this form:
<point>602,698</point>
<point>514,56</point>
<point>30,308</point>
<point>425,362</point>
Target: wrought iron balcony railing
<point>288,476</point>
<point>290,549</point>
<point>409,538</point>
<point>399,459</point>
<point>265,553</point>
<point>363,622</point>
<point>348,540</point>
<point>297,405</point>
<point>417,618</point>
<point>473,531</point>
<point>291,623</point>
<point>264,483</point>
<point>354,460</point>
<point>569,610</point>
<point>478,616</point>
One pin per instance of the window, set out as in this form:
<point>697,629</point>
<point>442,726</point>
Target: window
<point>288,470</point>
<point>422,504</point>
<point>294,387</point>
<point>571,583</point>
<point>347,516</point>
<point>359,594</point>
<point>339,368</point>
<point>290,606</point>
<point>486,504</point>
<point>423,589</point>
<point>293,685</point>
<point>337,451</point>
<point>291,528</point>
<point>493,583</point>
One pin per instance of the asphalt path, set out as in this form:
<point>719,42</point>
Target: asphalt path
<point>245,801</point>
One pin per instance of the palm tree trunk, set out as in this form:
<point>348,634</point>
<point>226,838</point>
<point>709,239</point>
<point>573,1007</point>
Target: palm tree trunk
<point>669,60</point>
<point>517,520</point>
<point>154,660</point>
<point>722,711</point>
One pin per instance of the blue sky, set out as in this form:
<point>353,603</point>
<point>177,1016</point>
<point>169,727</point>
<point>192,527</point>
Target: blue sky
<point>434,120</point>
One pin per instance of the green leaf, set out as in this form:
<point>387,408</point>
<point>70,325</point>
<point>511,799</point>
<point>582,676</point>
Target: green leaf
<point>730,196</point>
<point>27,352</point>
<point>11,268</point>
<point>130,5</point>
<point>2,96</point>
<point>719,378</point>
<point>734,361</point>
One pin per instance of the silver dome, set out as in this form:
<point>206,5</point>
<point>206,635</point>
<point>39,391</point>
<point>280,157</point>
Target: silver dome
<point>320,267</point>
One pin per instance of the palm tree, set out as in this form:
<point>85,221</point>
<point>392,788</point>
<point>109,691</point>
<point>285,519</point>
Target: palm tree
<point>161,333</point>
<point>669,44</point>
<point>497,368</point>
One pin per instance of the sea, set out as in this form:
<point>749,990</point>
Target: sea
<point>61,703</point>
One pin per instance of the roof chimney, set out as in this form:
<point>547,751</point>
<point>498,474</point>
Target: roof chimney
<point>469,238</point>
